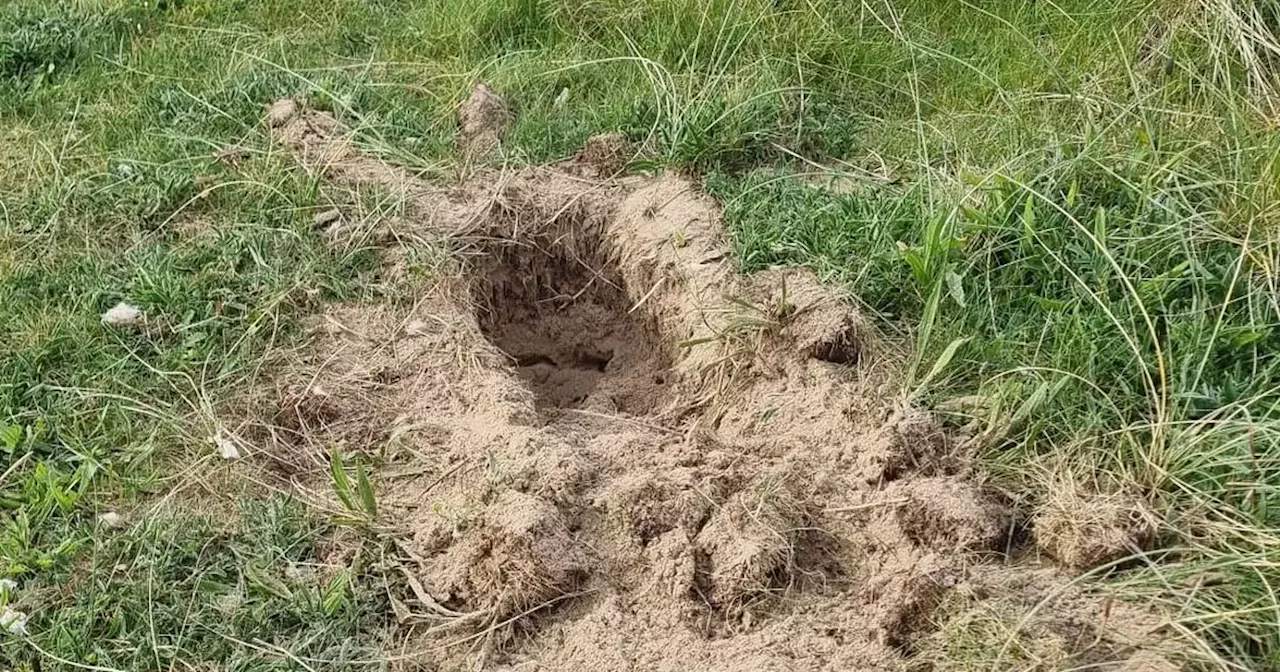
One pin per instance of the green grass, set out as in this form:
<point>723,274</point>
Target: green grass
<point>186,589</point>
<point>1084,190</point>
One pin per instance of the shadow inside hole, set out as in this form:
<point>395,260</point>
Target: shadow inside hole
<point>562,313</point>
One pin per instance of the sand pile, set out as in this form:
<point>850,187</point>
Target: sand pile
<point>600,448</point>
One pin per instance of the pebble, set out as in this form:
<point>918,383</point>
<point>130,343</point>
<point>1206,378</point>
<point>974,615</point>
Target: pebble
<point>226,446</point>
<point>13,620</point>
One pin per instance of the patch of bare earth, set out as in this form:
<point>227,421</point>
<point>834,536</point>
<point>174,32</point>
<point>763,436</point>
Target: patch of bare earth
<point>603,449</point>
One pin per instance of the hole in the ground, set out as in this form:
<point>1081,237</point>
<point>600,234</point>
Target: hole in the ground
<point>842,350</point>
<point>561,311</point>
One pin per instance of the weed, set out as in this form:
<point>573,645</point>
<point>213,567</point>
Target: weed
<point>360,500</point>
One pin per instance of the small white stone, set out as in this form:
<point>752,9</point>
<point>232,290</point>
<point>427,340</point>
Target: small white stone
<point>125,170</point>
<point>123,315</point>
<point>14,621</point>
<point>226,446</point>
<point>111,520</point>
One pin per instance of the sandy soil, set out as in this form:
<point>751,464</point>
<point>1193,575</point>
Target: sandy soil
<point>601,448</point>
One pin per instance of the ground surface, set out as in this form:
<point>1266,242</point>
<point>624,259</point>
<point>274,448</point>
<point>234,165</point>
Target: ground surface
<point>1052,225</point>
<point>606,449</point>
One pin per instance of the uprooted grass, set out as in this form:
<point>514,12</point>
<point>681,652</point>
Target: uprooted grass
<point>1085,190</point>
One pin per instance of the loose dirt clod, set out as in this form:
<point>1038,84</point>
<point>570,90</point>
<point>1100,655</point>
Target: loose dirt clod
<point>748,546</point>
<point>483,120</point>
<point>281,112</point>
<point>948,514</point>
<point>604,449</point>
<point>607,152</point>
<point>517,554</point>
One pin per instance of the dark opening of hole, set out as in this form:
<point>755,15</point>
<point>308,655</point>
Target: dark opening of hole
<point>842,350</point>
<point>561,310</point>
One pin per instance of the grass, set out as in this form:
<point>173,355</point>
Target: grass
<point>185,589</point>
<point>977,636</point>
<point>1072,203</point>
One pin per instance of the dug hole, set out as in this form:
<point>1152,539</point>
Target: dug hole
<point>600,447</point>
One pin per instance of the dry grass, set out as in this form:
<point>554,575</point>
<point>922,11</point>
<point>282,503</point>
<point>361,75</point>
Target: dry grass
<point>1084,525</point>
<point>979,635</point>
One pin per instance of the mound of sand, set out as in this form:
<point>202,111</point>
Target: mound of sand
<point>603,449</point>
<point>483,120</point>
